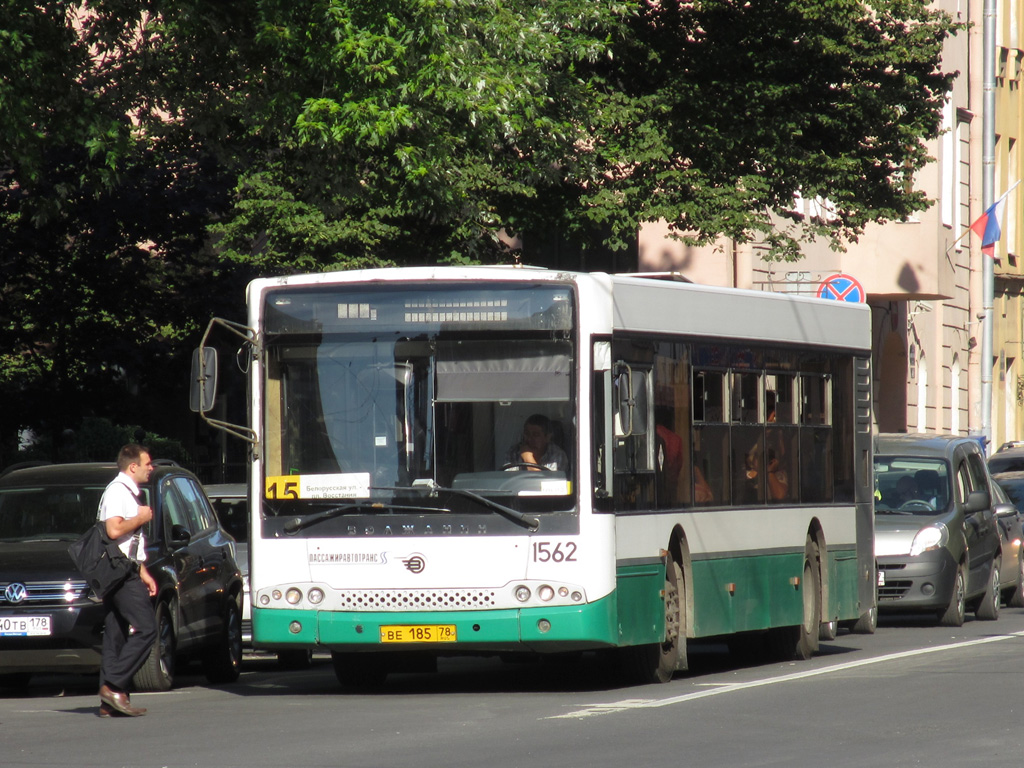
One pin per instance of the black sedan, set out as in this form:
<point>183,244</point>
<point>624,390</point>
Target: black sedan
<point>49,619</point>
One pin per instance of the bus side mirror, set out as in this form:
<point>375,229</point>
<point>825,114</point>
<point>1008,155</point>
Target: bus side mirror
<point>630,402</point>
<point>204,380</point>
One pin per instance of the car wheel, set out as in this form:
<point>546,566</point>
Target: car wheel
<point>1016,597</point>
<point>988,608</point>
<point>953,614</point>
<point>223,662</point>
<point>157,674</point>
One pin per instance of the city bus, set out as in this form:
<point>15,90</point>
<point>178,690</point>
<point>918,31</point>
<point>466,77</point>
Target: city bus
<point>515,460</point>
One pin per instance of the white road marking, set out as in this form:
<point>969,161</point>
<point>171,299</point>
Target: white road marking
<point>608,708</point>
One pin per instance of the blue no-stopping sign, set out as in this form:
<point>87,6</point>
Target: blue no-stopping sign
<point>841,288</point>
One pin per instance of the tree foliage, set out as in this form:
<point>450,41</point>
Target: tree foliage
<point>750,104</point>
<point>157,154</point>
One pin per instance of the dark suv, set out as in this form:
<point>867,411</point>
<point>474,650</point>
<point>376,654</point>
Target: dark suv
<point>50,621</point>
<point>937,541</point>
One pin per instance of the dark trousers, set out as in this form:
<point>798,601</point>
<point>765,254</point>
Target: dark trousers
<point>129,631</point>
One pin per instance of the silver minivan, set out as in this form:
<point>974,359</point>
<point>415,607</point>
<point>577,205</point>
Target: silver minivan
<point>937,541</point>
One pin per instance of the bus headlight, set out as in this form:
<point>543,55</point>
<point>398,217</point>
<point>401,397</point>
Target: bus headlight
<point>293,596</point>
<point>545,593</point>
<point>522,593</point>
<point>315,596</point>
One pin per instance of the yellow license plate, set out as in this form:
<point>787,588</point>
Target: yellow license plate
<point>418,633</point>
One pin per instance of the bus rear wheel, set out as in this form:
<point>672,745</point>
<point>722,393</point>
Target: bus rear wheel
<point>801,641</point>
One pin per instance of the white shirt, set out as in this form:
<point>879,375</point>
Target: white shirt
<point>120,500</point>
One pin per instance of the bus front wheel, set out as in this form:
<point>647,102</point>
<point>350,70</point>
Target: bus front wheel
<point>657,662</point>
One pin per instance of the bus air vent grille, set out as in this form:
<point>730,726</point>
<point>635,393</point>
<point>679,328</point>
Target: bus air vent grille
<point>417,599</point>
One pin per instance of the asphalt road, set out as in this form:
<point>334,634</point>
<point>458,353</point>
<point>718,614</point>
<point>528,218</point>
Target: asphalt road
<point>912,694</point>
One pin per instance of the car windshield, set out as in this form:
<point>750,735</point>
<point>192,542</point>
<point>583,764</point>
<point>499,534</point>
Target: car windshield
<point>413,396</point>
<point>1013,462</point>
<point>37,514</point>
<point>911,485</point>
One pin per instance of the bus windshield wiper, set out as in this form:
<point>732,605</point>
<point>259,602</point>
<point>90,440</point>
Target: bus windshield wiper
<point>517,517</point>
<point>296,524</point>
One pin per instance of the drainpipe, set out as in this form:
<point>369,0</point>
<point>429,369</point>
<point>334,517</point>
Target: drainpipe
<point>988,162</point>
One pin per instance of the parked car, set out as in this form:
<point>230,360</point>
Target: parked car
<point>937,541</point>
<point>49,619</point>
<point>231,503</point>
<point>1010,488</point>
<point>1009,458</point>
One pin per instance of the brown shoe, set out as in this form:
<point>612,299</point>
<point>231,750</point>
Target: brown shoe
<point>117,701</point>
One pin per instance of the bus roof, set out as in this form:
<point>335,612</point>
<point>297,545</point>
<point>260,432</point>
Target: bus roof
<point>652,303</point>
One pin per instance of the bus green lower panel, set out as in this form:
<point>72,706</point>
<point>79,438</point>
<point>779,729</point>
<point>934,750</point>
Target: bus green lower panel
<point>843,592</point>
<point>541,629</point>
<point>747,593</point>
<point>641,607</point>
<point>751,593</point>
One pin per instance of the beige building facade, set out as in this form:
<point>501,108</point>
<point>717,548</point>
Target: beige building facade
<point>1008,304</point>
<point>922,277</point>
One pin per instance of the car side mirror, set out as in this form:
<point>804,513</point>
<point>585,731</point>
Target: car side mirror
<point>977,501</point>
<point>1005,510</point>
<point>180,536</point>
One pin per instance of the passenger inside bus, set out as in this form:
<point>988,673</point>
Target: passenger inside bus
<point>536,450</point>
<point>770,453</point>
<point>668,457</point>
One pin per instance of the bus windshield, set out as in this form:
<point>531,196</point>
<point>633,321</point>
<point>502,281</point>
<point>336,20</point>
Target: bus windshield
<point>427,395</point>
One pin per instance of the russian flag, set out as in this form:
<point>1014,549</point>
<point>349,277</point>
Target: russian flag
<point>987,225</point>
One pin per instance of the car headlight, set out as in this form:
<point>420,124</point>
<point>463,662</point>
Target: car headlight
<point>932,537</point>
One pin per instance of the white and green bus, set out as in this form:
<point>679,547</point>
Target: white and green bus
<point>704,466</point>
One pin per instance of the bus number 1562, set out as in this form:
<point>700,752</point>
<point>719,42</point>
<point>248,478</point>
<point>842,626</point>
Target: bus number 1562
<point>562,552</point>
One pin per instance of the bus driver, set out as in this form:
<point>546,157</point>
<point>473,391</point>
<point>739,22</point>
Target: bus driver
<point>536,448</point>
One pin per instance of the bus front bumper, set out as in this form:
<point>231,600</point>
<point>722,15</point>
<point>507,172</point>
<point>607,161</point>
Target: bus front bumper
<point>554,629</point>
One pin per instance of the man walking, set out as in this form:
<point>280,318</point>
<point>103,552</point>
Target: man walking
<point>129,628</point>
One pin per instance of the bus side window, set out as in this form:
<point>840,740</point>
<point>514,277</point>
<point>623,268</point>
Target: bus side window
<point>711,482</point>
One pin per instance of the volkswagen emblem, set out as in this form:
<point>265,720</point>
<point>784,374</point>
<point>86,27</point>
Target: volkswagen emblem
<point>15,593</point>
